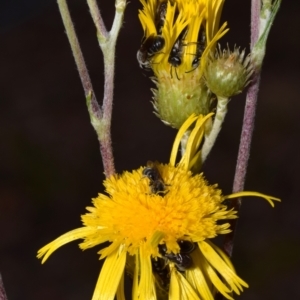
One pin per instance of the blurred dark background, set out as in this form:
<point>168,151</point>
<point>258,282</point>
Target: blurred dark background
<point>50,165</point>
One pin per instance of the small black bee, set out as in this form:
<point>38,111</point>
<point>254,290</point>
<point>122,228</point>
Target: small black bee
<point>161,270</point>
<point>160,16</point>
<point>152,45</point>
<point>186,247</point>
<point>157,184</point>
<point>182,260</point>
<point>199,50</point>
<point>175,57</point>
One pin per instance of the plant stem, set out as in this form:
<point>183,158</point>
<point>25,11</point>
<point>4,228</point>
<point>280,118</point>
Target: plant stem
<point>263,13</point>
<point>247,130</point>
<point>2,290</point>
<point>95,13</point>
<point>100,116</point>
<point>77,53</point>
<point>107,42</point>
<point>210,139</point>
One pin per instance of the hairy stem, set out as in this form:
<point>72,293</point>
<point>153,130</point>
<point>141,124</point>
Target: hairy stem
<point>263,13</point>
<point>210,139</point>
<point>77,53</point>
<point>100,116</point>
<point>2,290</point>
<point>107,42</point>
<point>247,129</point>
<point>98,21</point>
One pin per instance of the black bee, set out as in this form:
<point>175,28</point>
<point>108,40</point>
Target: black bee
<point>161,270</point>
<point>157,184</point>
<point>160,16</point>
<point>199,50</point>
<point>182,260</point>
<point>152,45</point>
<point>175,57</point>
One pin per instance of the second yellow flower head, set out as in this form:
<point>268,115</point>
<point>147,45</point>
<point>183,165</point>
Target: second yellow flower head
<point>178,37</point>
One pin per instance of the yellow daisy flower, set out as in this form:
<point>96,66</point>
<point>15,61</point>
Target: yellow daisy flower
<point>178,38</point>
<point>159,220</point>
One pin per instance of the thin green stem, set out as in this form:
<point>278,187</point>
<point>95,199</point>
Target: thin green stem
<point>211,137</point>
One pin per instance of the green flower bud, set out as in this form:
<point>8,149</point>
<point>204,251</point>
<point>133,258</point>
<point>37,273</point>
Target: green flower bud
<point>227,73</point>
<point>175,100</point>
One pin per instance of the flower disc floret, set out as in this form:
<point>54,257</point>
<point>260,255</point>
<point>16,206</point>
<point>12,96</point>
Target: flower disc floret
<point>131,214</point>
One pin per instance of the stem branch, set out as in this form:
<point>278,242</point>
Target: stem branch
<point>98,21</point>
<point>100,116</point>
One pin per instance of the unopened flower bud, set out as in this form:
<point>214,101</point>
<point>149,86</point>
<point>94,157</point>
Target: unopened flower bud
<point>175,100</point>
<point>227,73</point>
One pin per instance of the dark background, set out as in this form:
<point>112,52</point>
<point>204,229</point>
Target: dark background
<point>50,165</point>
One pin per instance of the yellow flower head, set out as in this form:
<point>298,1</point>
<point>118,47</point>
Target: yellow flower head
<point>158,220</point>
<point>179,35</point>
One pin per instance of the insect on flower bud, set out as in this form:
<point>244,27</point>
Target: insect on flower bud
<point>228,73</point>
<point>178,36</point>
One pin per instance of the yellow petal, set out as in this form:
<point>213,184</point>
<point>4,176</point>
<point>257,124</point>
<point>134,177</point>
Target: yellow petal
<point>108,250</point>
<point>146,284</point>
<point>147,17</point>
<point>213,277</point>
<point>135,286</point>
<point>194,141</point>
<point>222,254</point>
<point>179,136</point>
<point>120,291</point>
<point>214,10</point>
<point>180,287</point>
<point>270,199</point>
<point>197,279</point>
<point>110,275</point>
<point>223,269</point>
<point>95,237</point>
<point>220,286</point>
<point>70,236</point>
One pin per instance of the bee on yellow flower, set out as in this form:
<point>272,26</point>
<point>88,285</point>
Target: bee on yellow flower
<point>161,237</point>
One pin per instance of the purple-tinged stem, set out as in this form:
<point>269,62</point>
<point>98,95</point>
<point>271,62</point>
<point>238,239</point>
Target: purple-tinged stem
<point>78,56</point>
<point>2,290</point>
<point>247,130</point>
<point>99,117</point>
<point>98,21</point>
<point>106,147</point>
<point>107,43</point>
<point>255,12</point>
